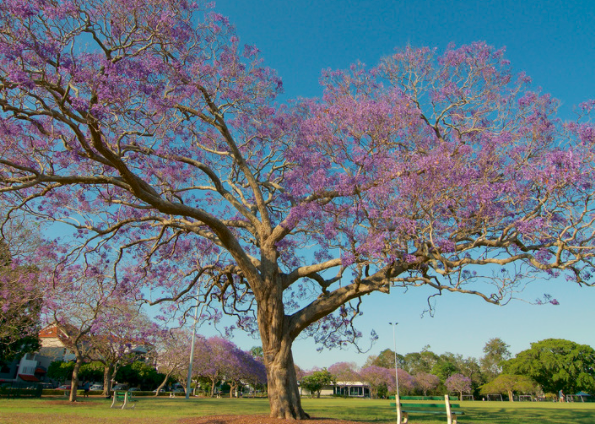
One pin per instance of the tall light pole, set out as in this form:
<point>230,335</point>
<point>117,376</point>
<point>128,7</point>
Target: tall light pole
<point>191,361</point>
<point>397,400</point>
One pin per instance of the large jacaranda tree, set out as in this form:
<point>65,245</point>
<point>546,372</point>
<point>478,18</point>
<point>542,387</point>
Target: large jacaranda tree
<point>145,126</point>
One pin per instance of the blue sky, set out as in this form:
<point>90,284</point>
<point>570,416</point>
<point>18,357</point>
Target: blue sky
<point>552,41</point>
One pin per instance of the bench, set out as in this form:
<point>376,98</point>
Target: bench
<point>426,408</point>
<point>125,397</point>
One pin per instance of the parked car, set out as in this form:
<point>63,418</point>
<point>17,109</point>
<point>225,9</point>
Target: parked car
<point>64,387</point>
<point>96,387</point>
<point>46,385</point>
<point>120,387</point>
<point>134,389</point>
<point>160,390</point>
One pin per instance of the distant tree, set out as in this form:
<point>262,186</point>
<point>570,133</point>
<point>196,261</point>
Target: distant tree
<point>385,359</point>
<point>172,349</point>
<point>91,371</point>
<point>256,374</point>
<point>423,361</point>
<point>21,296</point>
<point>60,370</point>
<point>239,368</point>
<point>426,382</point>
<point>217,358</point>
<point>496,352</point>
<point>116,339</point>
<point>223,357</point>
<point>508,384</point>
<point>407,383</point>
<point>257,352</point>
<point>300,373</point>
<point>470,368</point>
<point>138,374</point>
<point>444,369</point>
<point>80,302</point>
<point>315,381</point>
<point>20,308</point>
<point>113,343</point>
<point>344,373</point>
<point>378,378</point>
<point>369,361</point>
<point>458,383</point>
<point>556,364</point>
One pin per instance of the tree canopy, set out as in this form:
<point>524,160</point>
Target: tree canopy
<point>148,128</point>
<point>315,381</point>
<point>556,364</point>
<point>496,352</point>
<point>508,384</point>
<point>20,296</point>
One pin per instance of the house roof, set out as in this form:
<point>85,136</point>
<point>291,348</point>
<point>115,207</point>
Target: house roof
<point>26,377</point>
<point>53,331</point>
<point>50,331</point>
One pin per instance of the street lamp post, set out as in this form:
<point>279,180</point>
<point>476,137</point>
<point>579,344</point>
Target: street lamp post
<point>191,361</point>
<point>397,400</point>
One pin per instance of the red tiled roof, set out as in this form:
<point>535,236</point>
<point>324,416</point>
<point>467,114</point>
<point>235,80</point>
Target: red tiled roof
<point>40,370</point>
<point>26,377</point>
<point>50,331</point>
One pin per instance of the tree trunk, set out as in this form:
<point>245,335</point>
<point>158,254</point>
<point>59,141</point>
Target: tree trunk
<point>113,377</point>
<point>74,382</point>
<point>163,383</point>
<point>106,380</point>
<point>213,387</point>
<point>284,397</point>
<point>283,392</point>
<point>510,396</point>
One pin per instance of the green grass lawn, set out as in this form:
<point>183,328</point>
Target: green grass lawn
<point>56,410</point>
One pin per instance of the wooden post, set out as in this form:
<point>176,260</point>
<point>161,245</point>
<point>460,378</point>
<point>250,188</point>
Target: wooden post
<point>398,403</point>
<point>448,414</point>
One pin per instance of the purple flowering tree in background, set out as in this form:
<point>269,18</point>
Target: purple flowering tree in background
<point>407,382</point>
<point>426,382</point>
<point>87,306</point>
<point>147,128</point>
<point>127,330</point>
<point>378,378</point>
<point>344,374</point>
<point>172,348</point>
<point>458,383</point>
<point>215,359</point>
<point>255,372</point>
<point>243,368</point>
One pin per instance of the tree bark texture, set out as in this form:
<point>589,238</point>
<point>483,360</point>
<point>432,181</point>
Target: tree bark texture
<point>75,378</point>
<point>106,380</point>
<point>283,392</point>
<point>213,381</point>
<point>163,383</point>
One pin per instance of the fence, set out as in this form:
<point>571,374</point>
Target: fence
<point>20,389</point>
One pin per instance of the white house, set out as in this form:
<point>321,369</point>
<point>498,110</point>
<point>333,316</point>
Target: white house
<point>343,388</point>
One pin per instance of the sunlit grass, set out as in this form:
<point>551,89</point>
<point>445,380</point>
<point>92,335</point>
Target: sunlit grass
<point>169,411</point>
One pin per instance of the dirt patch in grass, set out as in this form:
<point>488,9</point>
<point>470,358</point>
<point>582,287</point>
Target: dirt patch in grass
<point>257,419</point>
